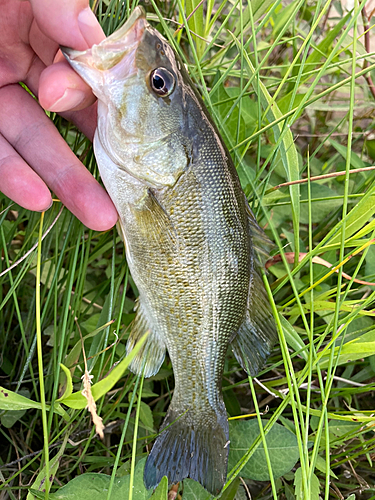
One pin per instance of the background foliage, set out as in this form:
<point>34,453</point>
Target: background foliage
<point>290,85</point>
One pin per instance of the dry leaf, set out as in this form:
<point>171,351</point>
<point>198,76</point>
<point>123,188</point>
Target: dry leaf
<point>289,256</point>
<point>91,405</point>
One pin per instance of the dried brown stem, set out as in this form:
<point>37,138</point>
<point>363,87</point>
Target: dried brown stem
<point>325,176</point>
<point>33,247</point>
<point>246,488</point>
<point>289,256</point>
<point>189,16</point>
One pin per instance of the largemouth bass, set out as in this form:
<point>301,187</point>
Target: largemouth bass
<point>191,241</point>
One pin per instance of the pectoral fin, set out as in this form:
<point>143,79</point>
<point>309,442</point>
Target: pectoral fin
<point>154,221</point>
<point>152,353</point>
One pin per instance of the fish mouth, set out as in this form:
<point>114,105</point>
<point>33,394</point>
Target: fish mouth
<point>114,54</point>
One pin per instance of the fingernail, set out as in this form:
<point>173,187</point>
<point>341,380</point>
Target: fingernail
<point>45,209</point>
<point>90,27</point>
<point>69,100</point>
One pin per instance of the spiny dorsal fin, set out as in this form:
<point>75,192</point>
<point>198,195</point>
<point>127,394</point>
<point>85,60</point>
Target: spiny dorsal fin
<point>261,243</point>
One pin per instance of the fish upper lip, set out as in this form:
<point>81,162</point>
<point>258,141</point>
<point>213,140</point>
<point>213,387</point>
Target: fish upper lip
<point>137,14</point>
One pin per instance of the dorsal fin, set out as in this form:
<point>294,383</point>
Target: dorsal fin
<point>257,334</point>
<point>262,245</point>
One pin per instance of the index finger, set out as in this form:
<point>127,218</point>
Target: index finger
<point>73,24</point>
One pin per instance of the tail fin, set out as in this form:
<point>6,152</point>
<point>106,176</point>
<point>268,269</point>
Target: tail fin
<point>195,446</point>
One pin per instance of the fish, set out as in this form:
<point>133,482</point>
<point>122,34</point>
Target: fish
<point>192,243</point>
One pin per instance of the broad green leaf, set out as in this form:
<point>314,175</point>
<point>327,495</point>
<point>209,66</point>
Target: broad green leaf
<point>10,400</point>
<point>340,429</point>
<point>10,417</point>
<point>334,107</point>
<point>370,261</point>
<point>289,492</point>
<point>285,102</point>
<point>241,493</point>
<point>89,325</point>
<point>321,465</point>
<point>350,352</point>
<point>314,486</point>
<point>161,492</point>
<point>40,481</point>
<point>78,401</point>
<point>146,417</point>
<point>370,145</point>
<point>93,486</point>
<point>363,232</point>
<point>68,383</point>
<point>281,444</point>
<point>326,305</point>
<point>48,272</point>
<point>220,98</point>
<point>360,328</point>
<point>194,491</point>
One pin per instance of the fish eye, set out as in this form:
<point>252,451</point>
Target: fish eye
<point>162,82</point>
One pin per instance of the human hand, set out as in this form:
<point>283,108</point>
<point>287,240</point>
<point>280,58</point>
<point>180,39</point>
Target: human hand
<point>33,155</point>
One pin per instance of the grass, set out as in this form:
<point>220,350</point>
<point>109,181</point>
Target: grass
<point>290,86</point>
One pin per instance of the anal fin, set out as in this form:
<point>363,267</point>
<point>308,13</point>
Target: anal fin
<point>151,356</point>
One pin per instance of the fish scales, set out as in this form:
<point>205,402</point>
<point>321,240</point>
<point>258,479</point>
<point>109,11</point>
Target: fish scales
<point>190,241</point>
